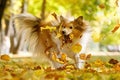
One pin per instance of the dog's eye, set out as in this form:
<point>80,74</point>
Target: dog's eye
<point>63,26</point>
<point>70,27</point>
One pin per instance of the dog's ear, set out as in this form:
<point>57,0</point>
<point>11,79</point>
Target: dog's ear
<point>80,24</point>
<point>79,20</point>
<point>55,16</point>
<point>62,19</point>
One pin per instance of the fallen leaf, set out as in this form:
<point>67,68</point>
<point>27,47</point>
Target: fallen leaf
<point>113,61</point>
<point>5,57</point>
<point>61,60</point>
<point>37,68</point>
<point>88,56</point>
<point>63,57</point>
<point>55,16</point>
<point>117,67</point>
<point>83,56</point>
<point>99,63</point>
<point>48,69</point>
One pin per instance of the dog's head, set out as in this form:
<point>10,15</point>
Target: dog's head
<point>68,27</point>
<point>75,27</point>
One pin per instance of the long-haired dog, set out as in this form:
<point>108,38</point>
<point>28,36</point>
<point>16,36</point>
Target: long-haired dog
<point>43,42</point>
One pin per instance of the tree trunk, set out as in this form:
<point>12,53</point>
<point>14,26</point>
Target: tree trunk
<point>24,6</point>
<point>43,10</point>
<point>12,34</point>
<point>20,40</point>
<point>2,7</point>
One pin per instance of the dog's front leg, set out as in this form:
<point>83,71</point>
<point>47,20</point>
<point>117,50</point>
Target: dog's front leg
<point>79,62</point>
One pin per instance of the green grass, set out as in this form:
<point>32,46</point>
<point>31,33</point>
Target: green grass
<point>105,58</point>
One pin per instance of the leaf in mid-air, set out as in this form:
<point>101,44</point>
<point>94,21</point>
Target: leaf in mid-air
<point>76,48</point>
<point>115,28</point>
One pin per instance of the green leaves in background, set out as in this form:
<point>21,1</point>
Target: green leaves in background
<point>103,15</point>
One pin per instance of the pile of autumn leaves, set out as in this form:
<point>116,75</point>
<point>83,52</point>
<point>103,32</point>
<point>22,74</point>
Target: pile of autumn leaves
<point>29,68</point>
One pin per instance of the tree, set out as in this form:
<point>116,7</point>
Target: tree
<point>43,10</point>
<point>20,41</point>
<point>2,7</point>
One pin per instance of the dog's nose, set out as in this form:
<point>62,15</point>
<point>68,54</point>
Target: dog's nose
<point>63,32</point>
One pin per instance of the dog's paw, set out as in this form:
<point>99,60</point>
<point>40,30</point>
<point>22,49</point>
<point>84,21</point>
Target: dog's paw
<point>80,64</point>
<point>57,65</point>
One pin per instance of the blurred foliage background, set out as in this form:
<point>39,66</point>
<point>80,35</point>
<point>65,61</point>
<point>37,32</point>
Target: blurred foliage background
<point>103,15</point>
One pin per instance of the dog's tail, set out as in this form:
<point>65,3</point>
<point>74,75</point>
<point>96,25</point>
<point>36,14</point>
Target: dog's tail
<point>38,41</point>
<point>29,27</point>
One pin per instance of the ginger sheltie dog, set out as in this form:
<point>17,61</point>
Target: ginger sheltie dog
<point>44,43</point>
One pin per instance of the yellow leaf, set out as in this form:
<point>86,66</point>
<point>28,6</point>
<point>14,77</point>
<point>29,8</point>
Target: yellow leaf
<point>96,37</point>
<point>51,28</point>
<point>38,72</point>
<point>54,56</point>
<point>117,67</point>
<point>63,57</point>
<point>59,61</point>
<point>58,35</point>
<point>70,67</point>
<point>71,36</point>
<point>99,63</point>
<point>76,48</point>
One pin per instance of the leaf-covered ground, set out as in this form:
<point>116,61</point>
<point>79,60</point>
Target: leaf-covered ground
<point>97,68</point>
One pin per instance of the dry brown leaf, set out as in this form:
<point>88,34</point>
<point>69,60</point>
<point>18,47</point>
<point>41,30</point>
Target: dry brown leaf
<point>88,56</point>
<point>113,61</point>
<point>115,28</point>
<point>5,57</point>
<point>116,2</point>
<point>83,56</point>
<point>55,16</point>
<point>117,67</point>
<point>102,6</point>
